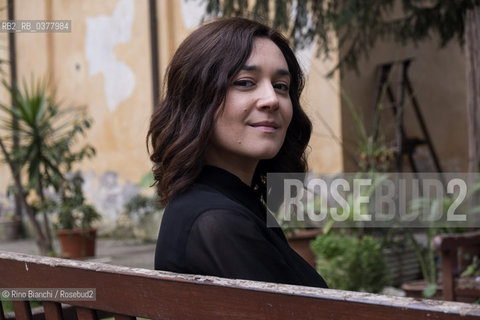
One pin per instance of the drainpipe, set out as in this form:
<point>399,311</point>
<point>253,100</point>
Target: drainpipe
<point>152,6</point>
<point>13,83</point>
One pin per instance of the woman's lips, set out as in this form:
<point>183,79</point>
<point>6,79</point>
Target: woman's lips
<point>266,126</point>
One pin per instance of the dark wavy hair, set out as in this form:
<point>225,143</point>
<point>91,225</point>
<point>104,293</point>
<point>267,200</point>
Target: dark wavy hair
<point>197,81</point>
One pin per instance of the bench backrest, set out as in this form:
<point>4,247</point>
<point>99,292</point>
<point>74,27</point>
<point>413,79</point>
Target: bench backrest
<point>131,292</point>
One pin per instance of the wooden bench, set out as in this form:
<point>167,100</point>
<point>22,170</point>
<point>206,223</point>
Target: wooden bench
<point>129,292</point>
<point>456,253</point>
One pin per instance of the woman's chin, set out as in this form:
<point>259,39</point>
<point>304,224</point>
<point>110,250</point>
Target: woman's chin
<point>267,155</point>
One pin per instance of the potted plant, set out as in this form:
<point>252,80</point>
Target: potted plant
<point>9,223</point>
<point>36,138</point>
<point>74,220</point>
<point>8,226</point>
<point>350,262</point>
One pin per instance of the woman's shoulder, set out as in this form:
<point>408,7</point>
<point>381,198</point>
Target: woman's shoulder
<point>197,199</point>
<point>200,197</point>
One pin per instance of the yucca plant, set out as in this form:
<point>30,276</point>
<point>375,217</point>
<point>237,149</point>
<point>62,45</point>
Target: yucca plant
<point>45,132</point>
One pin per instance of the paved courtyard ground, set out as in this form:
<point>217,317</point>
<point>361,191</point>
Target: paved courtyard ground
<point>130,253</point>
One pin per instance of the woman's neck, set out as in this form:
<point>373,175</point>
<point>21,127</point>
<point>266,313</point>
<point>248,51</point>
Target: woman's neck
<point>244,170</point>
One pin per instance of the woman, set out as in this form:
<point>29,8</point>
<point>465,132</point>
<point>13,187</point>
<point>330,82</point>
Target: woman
<point>231,113</point>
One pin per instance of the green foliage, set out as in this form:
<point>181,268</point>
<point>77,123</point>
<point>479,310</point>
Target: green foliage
<point>472,270</point>
<point>350,263</point>
<point>140,219</point>
<point>73,212</point>
<point>45,132</point>
<point>36,138</point>
<point>357,23</point>
<point>8,305</point>
<point>355,207</point>
<point>142,206</point>
<point>147,180</point>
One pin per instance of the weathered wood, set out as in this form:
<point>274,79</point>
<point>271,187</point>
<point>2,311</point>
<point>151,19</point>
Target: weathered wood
<point>22,309</point>
<point>124,317</point>
<point>53,310</point>
<point>86,314</point>
<point>448,246</point>
<point>472,64</point>
<point>164,295</point>
<point>447,275</point>
<point>456,240</point>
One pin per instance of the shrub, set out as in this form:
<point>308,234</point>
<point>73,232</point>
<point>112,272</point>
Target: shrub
<point>350,262</point>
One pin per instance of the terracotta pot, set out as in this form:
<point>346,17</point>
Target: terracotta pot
<point>300,242</point>
<point>77,243</point>
<point>8,230</point>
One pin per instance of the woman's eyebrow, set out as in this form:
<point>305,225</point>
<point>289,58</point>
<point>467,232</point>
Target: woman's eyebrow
<point>284,72</point>
<point>281,71</point>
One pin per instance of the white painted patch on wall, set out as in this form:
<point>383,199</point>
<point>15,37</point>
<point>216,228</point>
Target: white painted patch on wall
<point>304,55</point>
<point>108,194</point>
<point>193,12</point>
<point>103,34</point>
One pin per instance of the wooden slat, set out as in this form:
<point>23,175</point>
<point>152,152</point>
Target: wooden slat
<point>86,314</point>
<point>453,241</point>
<point>163,295</point>
<point>22,310</point>
<point>447,274</point>
<point>124,317</point>
<point>53,310</point>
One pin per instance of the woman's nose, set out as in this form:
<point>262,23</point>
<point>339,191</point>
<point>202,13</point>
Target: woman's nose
<point>268,98</point>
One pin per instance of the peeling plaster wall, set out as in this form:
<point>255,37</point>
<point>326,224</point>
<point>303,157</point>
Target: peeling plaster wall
<point>103,34</point>
<point>104,64</point>
<point>109,194</point>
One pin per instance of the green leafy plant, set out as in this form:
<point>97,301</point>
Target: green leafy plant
<point>473,269</point>
<point>72,211</point>
<point>142,217</point>
<point>45,132</point>
<point>353,27</point>
<point>349,262</point>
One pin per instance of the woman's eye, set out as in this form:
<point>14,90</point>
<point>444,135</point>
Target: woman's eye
<point>281,86</point>
<point>244,83</point>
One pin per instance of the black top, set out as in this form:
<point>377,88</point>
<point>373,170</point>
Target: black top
<point>218,227</point>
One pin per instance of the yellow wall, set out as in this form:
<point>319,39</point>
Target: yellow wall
<point>105,64</point>
<point>120,125</point>
<point>112,77</point>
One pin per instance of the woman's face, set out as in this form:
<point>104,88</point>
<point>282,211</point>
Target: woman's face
<point>257,110</point>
